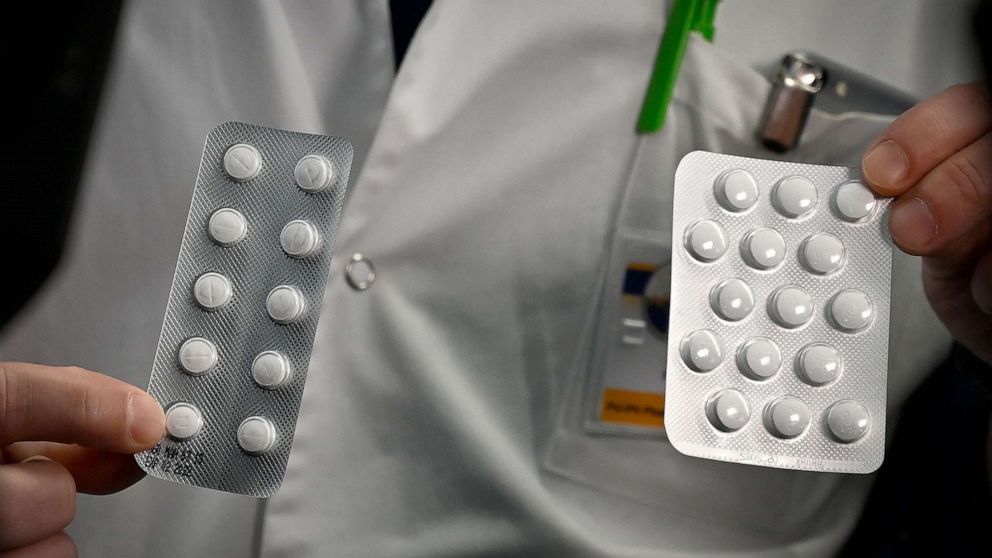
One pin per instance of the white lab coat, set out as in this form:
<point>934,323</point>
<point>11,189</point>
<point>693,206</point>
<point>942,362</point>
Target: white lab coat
<point>435,419</point>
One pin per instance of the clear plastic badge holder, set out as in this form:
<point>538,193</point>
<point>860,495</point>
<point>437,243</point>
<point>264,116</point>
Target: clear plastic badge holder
<point>625,381</point>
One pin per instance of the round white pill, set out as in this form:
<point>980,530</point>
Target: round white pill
<point>847,421</point>
<point>285,304</point>
<point>763,248</point>
<point>314,173</point>
<point>794,196</point>
<point>212,291</point>
<point>736,190</point>
<point>256,435</point>
<point>854,201</point>
<point>702,350</point>
<point>790,306</point>
<point>706,240</point>
<point>759,359</point>
<point>822,253</point>
<point>197,356</point>
<point>183,421</point>
<point>786,417</point>
<point>270,369</point>
<point>728,410</point>
<point>299,239</point>
<point>242,162</point>
<point>732,300</point>
<point>819,364</point>
<point>227,226</point>
<point>850,311</point>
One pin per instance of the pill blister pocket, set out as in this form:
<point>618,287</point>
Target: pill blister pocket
<point>780,293</point>
<point>239,326</point>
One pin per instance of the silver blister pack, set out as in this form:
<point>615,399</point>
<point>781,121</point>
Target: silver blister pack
<point>242,313</point>
<point>779,324</point>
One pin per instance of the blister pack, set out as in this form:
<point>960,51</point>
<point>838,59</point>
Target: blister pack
<point>779,315</point>
<point>242,313</point>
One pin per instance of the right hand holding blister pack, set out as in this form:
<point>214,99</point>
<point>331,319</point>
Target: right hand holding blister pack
<point>935,160</point>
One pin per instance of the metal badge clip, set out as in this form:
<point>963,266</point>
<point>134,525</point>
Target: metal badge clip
<point>802,78</point>
<point>791,98</point>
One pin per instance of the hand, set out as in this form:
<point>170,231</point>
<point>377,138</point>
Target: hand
<point>937,160</point>
<point>44,413</point>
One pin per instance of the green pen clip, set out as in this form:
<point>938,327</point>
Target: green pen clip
<point>686,16</point>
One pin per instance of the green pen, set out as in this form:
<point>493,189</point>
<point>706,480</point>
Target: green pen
<point>686,16</point>
<point>705,15</point>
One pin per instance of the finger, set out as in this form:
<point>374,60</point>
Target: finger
<point>944,205</point>
<point>95,471</point>
<point>925,135</point>
<point>956,261</point>
<point>37,500</point>
<point>57,546</point>
<point>76,406</point>
<point>981,284</point>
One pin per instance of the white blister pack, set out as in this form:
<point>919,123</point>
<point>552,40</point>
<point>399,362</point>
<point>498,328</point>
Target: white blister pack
<point>242,313</point>
<point>779,326</point>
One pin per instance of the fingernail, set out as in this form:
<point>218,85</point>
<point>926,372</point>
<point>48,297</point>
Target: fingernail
<point>146,420</point>
<point>912,224</point>
<point>885,165</point>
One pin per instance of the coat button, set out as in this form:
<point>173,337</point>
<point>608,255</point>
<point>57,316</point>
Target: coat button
<point>359,272</point>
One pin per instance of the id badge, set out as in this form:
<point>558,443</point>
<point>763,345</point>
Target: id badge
<point>625,375</point>
<point>627,369</point>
